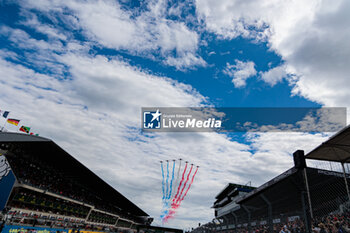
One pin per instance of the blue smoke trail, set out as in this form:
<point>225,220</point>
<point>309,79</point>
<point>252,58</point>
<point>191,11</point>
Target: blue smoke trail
<point>167,180</point>
<point>171,182</point>
<point>163,181</point>
<point>167,197</point>
<point>165,194</point>
<point>177,180</point>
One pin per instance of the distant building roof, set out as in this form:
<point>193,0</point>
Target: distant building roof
<point>230,187</point>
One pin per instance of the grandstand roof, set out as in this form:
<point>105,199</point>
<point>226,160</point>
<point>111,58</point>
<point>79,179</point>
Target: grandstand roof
<point>336,148</point>
<point>230,187</point>
<point>48,151</point>
<point>278,180</point>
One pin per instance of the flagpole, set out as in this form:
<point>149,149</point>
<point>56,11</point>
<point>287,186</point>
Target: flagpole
<point>5,120</point>
<point>2,130</point>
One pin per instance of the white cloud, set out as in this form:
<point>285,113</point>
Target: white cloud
<point>276,149</point>
<point>187,61</point>
<point>230,19</point>
<point>24,41</point>
<point>240,72</point>
<point>115,85</point>
<point>48,30</point>
<point>311,37</point>
<point>39,53</point>
<point>141,33</point>
<point>274,75</point>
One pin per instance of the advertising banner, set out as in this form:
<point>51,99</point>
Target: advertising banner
<point>7,180</point>
<point>27,229</point>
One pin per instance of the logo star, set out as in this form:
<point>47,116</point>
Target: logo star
<point>156,115</point>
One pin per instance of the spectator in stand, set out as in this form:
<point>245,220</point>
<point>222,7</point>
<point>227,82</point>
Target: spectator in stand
<point>284,229</point>
<point>322,228</point>
<point>339,228</point>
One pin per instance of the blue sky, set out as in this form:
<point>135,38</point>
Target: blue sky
<point>79,72</point>
<point>216,52</point>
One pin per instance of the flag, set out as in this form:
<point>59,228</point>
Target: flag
<point>4,113</point>
<point>25,129</point>
<point>13,121</point>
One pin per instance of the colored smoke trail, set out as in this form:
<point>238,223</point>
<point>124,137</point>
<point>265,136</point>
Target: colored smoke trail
<point>177,179</point>
<point>182,179</point>
<point>168,195</point>
<point>188,176</point>
<point>171,181</point>
<point>176,206</point>
<point>167,179</point>
<point>169,216</point>
<point>161,164</point>
<point>189,186</point>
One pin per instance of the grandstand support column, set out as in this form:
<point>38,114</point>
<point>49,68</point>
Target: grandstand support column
<point>269,212</point>
<point>307,218</point>
<point>308,193</point>
<point>116,222</point>
<point>226,221</point>
<point>346,182</point>
<point>212,227</point>
<point>235,217</point>
<point>249,215</point>
<point>88,215</point>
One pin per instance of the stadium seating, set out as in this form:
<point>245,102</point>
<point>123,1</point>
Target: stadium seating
<point>45,195</point>
<point>42,176</point>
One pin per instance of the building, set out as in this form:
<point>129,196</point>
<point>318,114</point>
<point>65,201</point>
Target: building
<point>42,185</point>
<point>302,196</point>
<point>226,200</point>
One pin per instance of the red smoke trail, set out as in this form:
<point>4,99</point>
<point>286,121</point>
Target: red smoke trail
<point>172,212</point>
<point>173,204</point>
<point>188,176</point>
<point>178,188</point>
<point>189,186</point>
<point>170,215</point>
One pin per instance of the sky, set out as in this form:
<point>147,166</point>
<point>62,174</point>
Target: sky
<point>78,72</point>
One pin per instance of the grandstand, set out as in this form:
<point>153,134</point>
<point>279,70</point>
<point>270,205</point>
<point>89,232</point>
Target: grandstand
<point>44,186</point>
<point>302,199</point>
<point>226,199</point>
